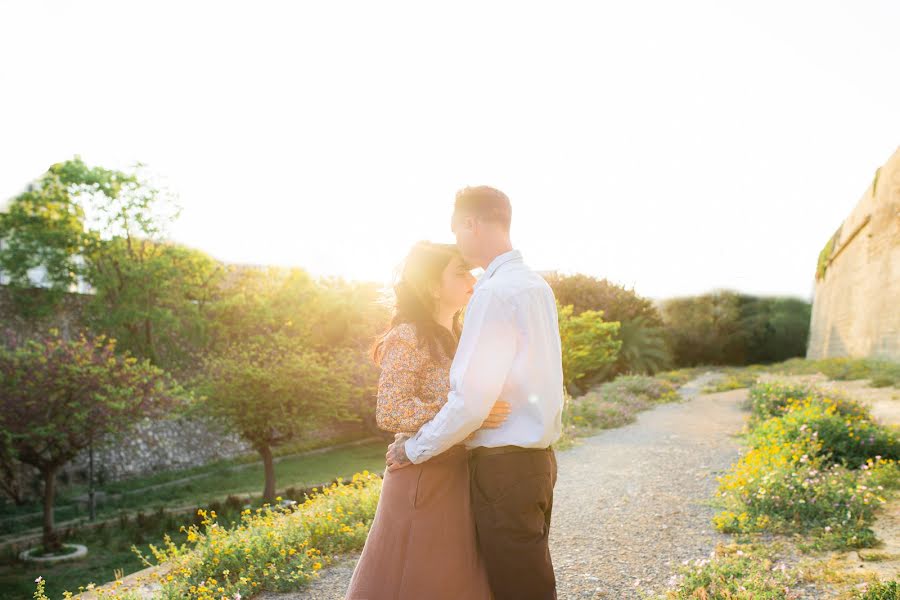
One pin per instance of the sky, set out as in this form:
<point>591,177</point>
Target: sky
<point>672,147</point>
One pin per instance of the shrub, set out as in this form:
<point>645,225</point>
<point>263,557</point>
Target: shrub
<point>272,548</point>
<point>728,328</point>
<point>773,399</point>
<point>813,466</point>
<point>846,432</point>
<point>588,344</point>
<point>644,348</point>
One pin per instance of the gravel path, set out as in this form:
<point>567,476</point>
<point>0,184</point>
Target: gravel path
<point>630,504</point>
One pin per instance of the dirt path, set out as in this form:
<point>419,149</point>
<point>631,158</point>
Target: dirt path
<point>630,503</point>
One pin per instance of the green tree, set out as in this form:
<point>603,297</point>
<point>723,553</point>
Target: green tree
<point>262,301</point>
<point>728,328</point>
<point>154,297</point>
<point>644,348</point>
<point>108,228</point>
<point>618,303</point>
<point>589,345</point>
<point>43,228</point>
<point>704,330</point>
<point>288,354</point>
<point>330,316</point>
<point>271,391</point>
<point>58,396</point>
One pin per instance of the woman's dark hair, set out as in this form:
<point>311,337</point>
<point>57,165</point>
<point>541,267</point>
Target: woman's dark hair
<point>415,303</point>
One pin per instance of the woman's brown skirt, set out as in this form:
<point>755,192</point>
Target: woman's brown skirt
<point>422,542</point>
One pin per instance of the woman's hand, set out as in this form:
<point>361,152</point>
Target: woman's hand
<point>499,413</point>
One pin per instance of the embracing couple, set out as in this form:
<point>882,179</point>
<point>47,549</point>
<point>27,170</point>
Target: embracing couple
<point>465,506</point>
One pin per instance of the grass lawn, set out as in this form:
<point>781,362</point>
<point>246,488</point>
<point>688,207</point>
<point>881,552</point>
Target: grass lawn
<point>880,373</point>
<point>109,547</point>
<point>219,479</point>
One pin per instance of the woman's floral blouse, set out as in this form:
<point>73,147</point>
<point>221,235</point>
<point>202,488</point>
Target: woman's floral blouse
<point>412,388</point>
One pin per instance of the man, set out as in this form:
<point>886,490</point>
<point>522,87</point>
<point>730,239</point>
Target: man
<point>509,350</point>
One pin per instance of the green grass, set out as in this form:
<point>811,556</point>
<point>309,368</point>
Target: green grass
<point>239,476</point>
<point>109,545</point>
<point>109,548</point>
<point>881,373</point>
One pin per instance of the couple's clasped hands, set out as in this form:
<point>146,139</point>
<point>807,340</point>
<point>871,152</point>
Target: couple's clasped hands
<point>396,454</point>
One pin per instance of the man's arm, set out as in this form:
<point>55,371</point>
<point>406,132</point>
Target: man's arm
<point>480,368</point>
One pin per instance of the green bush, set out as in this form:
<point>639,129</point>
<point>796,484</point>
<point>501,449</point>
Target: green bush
<point>644,348</point>
<point>589,345</point>
<point>772,399</point>
<point>727,328</point>
<point>843,427</point>
<point>814,466</point>
<point>273,548</point>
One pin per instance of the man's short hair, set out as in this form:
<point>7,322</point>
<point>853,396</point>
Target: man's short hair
<point>484,202</point>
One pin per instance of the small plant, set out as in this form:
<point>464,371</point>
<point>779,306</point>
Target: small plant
<point>734,572</point>
<point>39,593</point>
<point>886,590</point>
<point>733,381</point>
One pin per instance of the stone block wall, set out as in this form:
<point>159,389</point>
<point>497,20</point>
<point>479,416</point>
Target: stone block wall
<point>856,307</point>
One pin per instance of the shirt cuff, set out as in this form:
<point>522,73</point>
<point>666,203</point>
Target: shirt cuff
<point>413,453</point>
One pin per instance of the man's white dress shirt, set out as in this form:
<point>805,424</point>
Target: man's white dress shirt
<point>509,350</point>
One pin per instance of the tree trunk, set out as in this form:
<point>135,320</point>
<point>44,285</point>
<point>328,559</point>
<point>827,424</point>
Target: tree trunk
<point>269,491</point>
<point>51,540</point>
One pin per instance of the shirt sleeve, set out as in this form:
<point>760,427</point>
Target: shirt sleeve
<point>398,406</point>
<point>482,363</point>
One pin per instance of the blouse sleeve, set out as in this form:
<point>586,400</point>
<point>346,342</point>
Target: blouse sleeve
<point>399,407</point>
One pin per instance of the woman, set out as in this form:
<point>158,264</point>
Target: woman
<point>422,541</point>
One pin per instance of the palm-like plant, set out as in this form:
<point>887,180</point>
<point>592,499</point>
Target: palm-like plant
<point>643,348</point>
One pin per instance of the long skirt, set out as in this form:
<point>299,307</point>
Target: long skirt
<point>422,545</point>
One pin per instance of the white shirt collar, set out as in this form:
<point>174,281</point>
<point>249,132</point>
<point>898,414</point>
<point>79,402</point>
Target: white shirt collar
<point>496,263</point>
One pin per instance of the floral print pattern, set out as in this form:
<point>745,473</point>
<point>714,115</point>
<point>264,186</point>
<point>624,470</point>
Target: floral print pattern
<point>412,387</point>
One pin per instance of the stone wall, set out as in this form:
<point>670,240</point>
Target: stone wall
<point>856,308</point>
<point>155,446</point>
<point>164,445</point>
